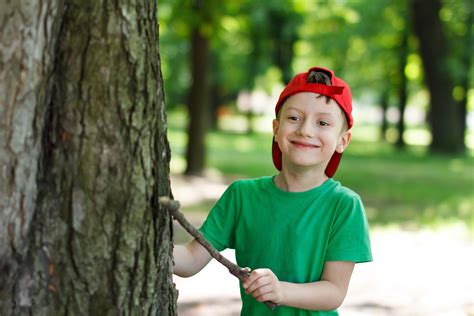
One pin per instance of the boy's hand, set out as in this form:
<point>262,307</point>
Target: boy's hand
<point>264,286</point>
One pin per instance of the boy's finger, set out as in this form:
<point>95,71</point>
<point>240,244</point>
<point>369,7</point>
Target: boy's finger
<point>258,283</point>
<point>262,290</point>
<point>267,297</point>
<point>245,281</point>
<point>252,276</point>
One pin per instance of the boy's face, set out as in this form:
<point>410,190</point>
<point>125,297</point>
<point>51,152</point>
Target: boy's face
<point>309,131</point>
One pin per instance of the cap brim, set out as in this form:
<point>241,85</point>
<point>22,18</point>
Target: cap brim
<point>333,164</point>
<point>276,155</point>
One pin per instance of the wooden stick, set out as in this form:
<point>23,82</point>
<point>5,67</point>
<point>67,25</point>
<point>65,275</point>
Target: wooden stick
<point>241,273</point>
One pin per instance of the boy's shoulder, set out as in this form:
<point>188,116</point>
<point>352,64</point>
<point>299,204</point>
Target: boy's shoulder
<point>251,183</point>
<point>344,196</point>
<point>348,201</point>
<point>343,191</point>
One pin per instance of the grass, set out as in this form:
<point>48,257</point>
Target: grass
<point>408,188</point>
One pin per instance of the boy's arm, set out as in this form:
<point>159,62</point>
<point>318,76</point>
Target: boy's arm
<point>190,258</point>
<point>326,294</point>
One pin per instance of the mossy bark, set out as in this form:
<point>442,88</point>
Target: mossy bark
<point>84,157</point>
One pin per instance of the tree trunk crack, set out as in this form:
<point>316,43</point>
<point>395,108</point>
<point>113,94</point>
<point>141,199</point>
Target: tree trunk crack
<point>70,247</point>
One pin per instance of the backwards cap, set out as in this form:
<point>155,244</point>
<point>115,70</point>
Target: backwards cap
<point>339,91</point>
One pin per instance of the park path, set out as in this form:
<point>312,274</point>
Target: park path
<point>414,273</point>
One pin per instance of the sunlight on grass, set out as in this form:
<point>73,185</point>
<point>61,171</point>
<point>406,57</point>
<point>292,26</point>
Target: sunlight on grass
<point>420,137</point>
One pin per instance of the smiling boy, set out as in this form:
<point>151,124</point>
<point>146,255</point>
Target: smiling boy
<point>300,231</point>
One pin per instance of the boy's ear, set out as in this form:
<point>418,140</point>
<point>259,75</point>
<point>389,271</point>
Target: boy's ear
<point>276,126</point>
<point>344,141</point>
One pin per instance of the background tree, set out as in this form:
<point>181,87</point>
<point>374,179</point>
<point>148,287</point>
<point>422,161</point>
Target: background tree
<point>84,157</point>
<point>195,22</point>
<point>402,87</point>
<point>272,31</point>
<point>199,97</point>
<point>283,22</point>
<point>439,77</point>
<point>457,20</point>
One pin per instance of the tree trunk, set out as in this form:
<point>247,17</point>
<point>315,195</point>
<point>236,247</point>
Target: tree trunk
<point>402,89</point>
<point>466,61</point>
<point>384,107</point>
<point>284,34</point>
<point>83,159</point>
<point>216,102</point>
<point>198,103</point>
<point>444,115</point>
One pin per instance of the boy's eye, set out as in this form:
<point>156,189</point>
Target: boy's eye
<point>323,123</point>
<point>294,118</point>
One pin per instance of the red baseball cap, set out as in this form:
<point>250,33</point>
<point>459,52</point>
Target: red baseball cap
<point>339,91</point>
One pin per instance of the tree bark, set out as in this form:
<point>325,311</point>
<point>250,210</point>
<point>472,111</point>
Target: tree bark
<point>446,131</point>
<point>83,159</point>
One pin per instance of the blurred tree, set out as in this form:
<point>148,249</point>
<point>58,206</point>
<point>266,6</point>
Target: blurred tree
<point>283,22</point>
<point>199,94</point>
<point>376,52</point>
<point>84,157</point>
<point>259,59</point>
<point>384,99</point>
<point>372,44</point>
<point>457,18</point>
<point>467,65</point>
<point>216,96</point>
<point>272,29</point>
<point>402,87</point>
<point>395,28</point>
<point>439,76</point>
<point>465,78</point>
<point>197,22</point>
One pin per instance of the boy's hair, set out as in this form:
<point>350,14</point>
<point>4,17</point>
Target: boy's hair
<point>321,81</point>
<point>320,76</point>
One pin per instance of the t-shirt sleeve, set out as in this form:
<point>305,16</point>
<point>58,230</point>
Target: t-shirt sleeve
<point>349,238</point>
<point>218,228</point>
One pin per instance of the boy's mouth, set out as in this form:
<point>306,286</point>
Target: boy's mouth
<point>301,144</point>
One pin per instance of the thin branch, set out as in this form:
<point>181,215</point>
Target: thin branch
<point>241,273</point>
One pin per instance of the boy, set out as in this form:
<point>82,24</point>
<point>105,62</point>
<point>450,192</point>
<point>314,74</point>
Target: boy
<point>300,231</point>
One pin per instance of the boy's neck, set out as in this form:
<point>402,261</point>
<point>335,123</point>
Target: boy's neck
<point>299,182</point>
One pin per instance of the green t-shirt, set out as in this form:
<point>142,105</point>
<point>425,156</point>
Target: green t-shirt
<point>291,233</point>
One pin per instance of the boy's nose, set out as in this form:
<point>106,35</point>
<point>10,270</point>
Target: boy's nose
<point>306,129</point>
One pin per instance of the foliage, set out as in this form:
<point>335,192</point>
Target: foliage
<point>360,40</point>
<point>246,38</point>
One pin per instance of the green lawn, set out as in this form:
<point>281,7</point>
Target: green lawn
<point>409,188</point>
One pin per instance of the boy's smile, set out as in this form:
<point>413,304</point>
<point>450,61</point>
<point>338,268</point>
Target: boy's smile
<point>309,130</point>
<point>303,145</point>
